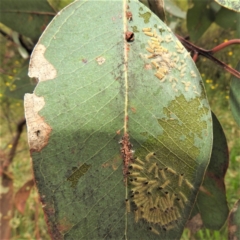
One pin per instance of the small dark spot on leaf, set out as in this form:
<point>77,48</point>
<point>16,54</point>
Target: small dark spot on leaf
<point>129,36</point>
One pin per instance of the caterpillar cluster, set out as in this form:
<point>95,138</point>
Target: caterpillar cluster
<point>151,193</point>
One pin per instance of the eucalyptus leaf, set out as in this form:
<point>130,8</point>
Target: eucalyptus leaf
<point>26,17</point>
<point>235,97</point>
<point>227,18</point>
<point>211,201</point>
<point>230,4</point>
<point>119,126</point>
<point>199,18</point>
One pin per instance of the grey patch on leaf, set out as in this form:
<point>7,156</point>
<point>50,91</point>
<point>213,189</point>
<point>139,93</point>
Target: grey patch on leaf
<point>37,129</point>
<point>39,66</point>
<point>195,223</point>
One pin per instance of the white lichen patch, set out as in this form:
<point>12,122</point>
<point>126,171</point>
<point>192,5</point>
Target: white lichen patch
<point>39,66</point>
<point>37,129</point>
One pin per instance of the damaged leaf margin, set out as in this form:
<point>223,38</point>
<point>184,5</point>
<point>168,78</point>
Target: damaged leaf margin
<point>39,66</point>
<point>37,129</point>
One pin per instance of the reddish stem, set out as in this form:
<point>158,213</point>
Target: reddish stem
<point>208,54</point>
<point>195,56</point>
<point>224,45</point>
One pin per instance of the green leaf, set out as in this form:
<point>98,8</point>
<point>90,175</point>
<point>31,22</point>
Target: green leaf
<point>59,4</point>
<point>227,19</point>
<point>234,222</point>
<point>235,97</point>
<point>22,84</point>
<point>27,17</point>
<point>199,18</point>
<point>231,4</point>
<point>96,89</point>
<point>173,9</point>
<point>211,201</point>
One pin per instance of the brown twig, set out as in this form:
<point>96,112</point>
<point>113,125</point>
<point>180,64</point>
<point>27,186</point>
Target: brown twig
<point>29,12</point>
<point>208,53</point>
<point>15,141</point>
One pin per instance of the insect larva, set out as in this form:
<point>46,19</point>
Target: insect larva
<point>180,50</point>
<point>141,179</point>
<point>152,167</point>
<point>163,80</point>
<point>196,92</point>
<point>134,173</point>
<point>160,220</point>
<point>136,183</point>
<point>141,201</point>
<point>183,70</point>
<point>152,182</point>
<point>150,155</point>
<point>183,197</point>
<point>169,216</point>
<point>168,199</point>
<point>164,219</point>
<point>162,174</point>
<point>189,184</point>
<point>186,54</point>
<point>179,45</point>
<point>154,39</point>
<point>169,227</point>
<point>180,180</point>
<point>151,205</point>
<point>152,187</point>
<point>146,207</point>
<point>127,205</point>
<point>150,34</point>
<point>165,184</point>
<point>151,56</point>
<point>165,70</point>
<point>150,50</point>
<point>143,188</point>
<point>156,173</point>
<point>163,203</point>
<point>155,64</point>
<point>156,201</point>
<point>154,230</point>
<point>158,52</point>
<point>154,33</point>
<point>193,74</point>
<point>139,196</point>
<point>154,216</point>
<point>182,66</point>
<point>139,188</point>
<point>168,169</point>
<point>172,64</point>
<point>177,214</point>
<point>139,161</point>
<point>135,166</point>
<point>176,59</point>
<point>182,75</point>
<point>147,29</point>
<point>136,215</point>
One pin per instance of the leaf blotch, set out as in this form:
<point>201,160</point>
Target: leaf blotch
<point>80,172</point>
<point>146,16</point>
